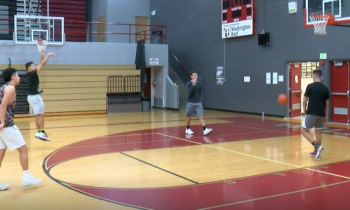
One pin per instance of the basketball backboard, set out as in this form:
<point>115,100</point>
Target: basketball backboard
<point>27,29</point>
<point>339,8</point>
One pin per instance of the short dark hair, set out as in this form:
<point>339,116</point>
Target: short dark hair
<point>8,73</point>
<point>193,72</point>
<point>318,73</point>
<point>28,64</point>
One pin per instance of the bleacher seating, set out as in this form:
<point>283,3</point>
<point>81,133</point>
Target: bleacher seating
<point>71,88</point>
<point>73,13</point>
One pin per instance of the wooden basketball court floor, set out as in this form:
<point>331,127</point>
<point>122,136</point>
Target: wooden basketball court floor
<point>145,161</point>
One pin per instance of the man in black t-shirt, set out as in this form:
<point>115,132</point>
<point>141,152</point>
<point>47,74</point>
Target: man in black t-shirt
<point>34,99</point>
<point>317,96</point>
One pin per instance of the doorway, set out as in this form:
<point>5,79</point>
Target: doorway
<point>141,29</point>
<point>101,29</point>
<point>300,76</point>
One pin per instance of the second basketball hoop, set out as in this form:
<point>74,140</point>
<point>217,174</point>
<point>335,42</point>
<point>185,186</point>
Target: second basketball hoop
<point>320,21</point>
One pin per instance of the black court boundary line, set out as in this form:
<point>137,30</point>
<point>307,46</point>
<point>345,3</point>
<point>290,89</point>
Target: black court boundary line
<point>162,169</point>
<point>61,183</point>
<point>47,172</point>
<point>197,143</point>
<point>238,178</point>
<point>171,138</point>
<point>71,146</point>
<point>66,185</point>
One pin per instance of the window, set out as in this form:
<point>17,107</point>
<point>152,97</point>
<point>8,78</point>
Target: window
<point>307,68</point>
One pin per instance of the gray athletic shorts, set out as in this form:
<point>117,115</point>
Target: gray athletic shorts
<point>36,104</point>
<point>312,121</point>
<point>194,108</point>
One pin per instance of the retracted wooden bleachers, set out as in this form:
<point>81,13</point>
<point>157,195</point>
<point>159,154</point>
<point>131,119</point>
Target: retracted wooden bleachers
<point>77,88</point>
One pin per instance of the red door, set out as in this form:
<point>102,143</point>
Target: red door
<point>340,92</point>
<point>295,89</point>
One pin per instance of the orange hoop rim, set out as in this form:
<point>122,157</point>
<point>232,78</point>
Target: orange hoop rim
<point>330,20</point>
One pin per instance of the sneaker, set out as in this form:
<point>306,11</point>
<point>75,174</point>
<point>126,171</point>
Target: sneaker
<point>29,180</point>
<point>4,186</point>
<point>189,131</point>
<point>38,135</point>
<point>314,153</point>
<point>42,136</point>
<point>319,150</point>
<point>207,130</point>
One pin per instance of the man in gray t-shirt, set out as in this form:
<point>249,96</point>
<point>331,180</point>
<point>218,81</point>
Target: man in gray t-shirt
<point>194,105</point>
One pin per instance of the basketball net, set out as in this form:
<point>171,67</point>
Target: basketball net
<point>41,43</point>
<point>320,20</point>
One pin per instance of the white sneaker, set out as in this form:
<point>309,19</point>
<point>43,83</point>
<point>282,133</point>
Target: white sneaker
<point>207,130</point>
<point>189,131</point>
<point>4,186</point>
<point>318,152</point>
<point>29,180</point>
<point>42,136</point>
<point>38,135</point>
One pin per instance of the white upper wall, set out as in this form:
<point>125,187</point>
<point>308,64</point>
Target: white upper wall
<point>72,53</point>
<point>85,53</point>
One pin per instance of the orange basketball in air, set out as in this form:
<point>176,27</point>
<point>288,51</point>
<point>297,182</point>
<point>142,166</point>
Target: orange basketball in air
<point>282,99</point>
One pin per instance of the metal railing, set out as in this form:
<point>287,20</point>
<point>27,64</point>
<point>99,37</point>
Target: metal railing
<point>123,84</point>
<point>123,89</point>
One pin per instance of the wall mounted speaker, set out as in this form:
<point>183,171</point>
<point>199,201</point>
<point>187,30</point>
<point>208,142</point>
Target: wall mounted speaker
<point>264,39</point>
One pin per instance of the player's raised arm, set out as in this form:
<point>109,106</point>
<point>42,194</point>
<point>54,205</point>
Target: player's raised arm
<point>43,60</point>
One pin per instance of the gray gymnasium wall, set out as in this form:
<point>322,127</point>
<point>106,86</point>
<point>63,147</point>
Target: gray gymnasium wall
<point>118,11</point>
<point>123,11</point>
<point>194,34</point>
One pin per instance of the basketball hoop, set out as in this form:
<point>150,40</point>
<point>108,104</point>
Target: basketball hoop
<point>320,21</point>
<point>41,43</point>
